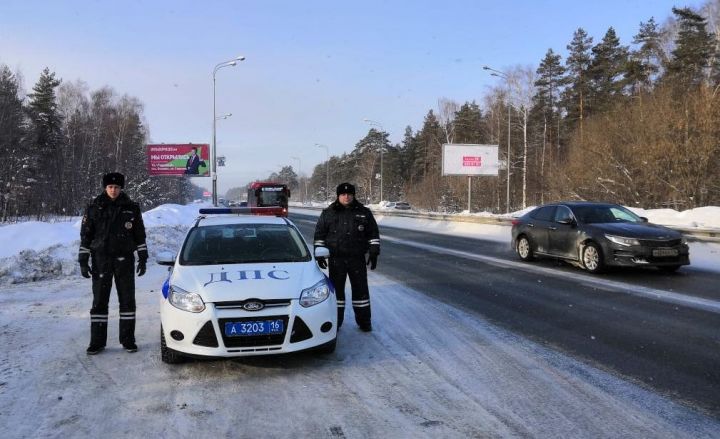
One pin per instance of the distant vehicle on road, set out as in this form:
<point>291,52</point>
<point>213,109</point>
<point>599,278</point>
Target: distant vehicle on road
<point>597,235</point>
<point>245,285</point>
<point>402,205</point>
<point>268,194</point>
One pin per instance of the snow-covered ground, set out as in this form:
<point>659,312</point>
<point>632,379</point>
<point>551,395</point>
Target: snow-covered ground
<point>450,374</point>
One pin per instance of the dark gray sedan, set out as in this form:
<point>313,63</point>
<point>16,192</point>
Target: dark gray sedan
<point>597,235</point>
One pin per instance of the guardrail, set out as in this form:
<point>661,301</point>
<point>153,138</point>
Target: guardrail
<point>692,233</point>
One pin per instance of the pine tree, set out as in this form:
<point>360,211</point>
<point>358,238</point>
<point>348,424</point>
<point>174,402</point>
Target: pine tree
<point>469,124</point>
<point>545,113</point>
<point>46,144</point>
<point>12,174</point>
<point>607,72</point>
<point>644,63</point>
<point>694,50</point>
<point>577,79</point>
<point>429,144</point>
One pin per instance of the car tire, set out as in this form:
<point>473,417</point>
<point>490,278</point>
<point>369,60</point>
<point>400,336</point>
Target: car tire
<point>523,248</point>
<point>669,268</point>
<point>168,355</point>
<point>592,258</point>
<point>327,348</point>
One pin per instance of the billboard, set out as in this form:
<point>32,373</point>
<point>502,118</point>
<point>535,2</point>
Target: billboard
<point>465,159</point>
<point>181,159</point>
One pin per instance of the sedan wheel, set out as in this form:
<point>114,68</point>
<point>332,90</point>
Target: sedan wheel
<point>592,258</point>
<point>523,248</point>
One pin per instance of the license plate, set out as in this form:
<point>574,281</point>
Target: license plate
<point>661,252</point>
<point>254,327</point>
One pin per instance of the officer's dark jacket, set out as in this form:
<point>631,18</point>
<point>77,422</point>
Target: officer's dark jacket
<point>113,228</point>
<point>347,231</point>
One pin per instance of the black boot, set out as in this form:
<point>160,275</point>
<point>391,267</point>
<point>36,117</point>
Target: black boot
<point>127,332</point>
<point>98,337</point>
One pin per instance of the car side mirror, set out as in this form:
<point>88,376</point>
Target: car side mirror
<point>643,219</point>
<point>166,258</point>
<point>567,221</point>
<point>322,252</point>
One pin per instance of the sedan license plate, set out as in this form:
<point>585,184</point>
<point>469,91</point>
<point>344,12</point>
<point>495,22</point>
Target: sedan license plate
<point>254,327</point>
<point>664,252</point>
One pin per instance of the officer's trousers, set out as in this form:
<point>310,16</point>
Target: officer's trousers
<point>353,267</point>
<point>104,269</point>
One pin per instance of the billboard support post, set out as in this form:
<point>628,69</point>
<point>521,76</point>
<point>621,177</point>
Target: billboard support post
<point>469,188</point>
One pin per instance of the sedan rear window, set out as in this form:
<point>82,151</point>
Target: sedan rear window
<point>243,243</point>
<point>604,214</point>
<point>545,213</point>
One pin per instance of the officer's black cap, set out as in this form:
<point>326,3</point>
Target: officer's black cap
<point>114,178</point>
<point>345,188</point>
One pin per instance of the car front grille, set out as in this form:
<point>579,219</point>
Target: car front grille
<point>253,340</point>
<point>660,242</point>
<point>238,304</point>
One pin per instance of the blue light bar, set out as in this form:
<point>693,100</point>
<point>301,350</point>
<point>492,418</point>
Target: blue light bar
<point>278,211</point>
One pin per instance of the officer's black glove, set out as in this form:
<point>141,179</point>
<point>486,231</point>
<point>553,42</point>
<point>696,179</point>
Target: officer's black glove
<point>322,262</point>
<point>84,260</point>
<point>85,270</point>
<point>141,267</point>
<point>372,261</point>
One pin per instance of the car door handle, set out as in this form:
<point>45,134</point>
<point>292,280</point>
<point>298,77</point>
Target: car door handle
<point>552,228</point>
<point>531,225</point>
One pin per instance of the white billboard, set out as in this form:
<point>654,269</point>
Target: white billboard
<point>464,159</point>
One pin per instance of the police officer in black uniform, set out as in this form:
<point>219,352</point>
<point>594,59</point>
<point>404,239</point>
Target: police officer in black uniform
<point>112,230</point>
<point>349,230</point>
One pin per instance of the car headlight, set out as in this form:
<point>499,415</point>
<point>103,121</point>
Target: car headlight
<point>315,294</point>
<point>683,240</point>
<point>621,240</point>
<point>185,300</point>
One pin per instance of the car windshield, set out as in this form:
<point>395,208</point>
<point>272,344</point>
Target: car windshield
<point>243,243</point>
<point>604,214</point>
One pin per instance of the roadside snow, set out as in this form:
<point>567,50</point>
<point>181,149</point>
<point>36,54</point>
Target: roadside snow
<point>33,251</point>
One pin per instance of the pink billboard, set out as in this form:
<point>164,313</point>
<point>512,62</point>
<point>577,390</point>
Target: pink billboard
<point>182,159</point>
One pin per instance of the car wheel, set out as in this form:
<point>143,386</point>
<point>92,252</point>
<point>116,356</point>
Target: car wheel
<point>168,355</point>
<point>669,268</point>
<point>524,249</point>
<point>327,348</point>
<point>592,258</point>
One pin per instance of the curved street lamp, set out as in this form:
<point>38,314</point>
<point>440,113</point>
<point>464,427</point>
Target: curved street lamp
<point>213,160</point>
<point>382,148</point>
<point>500,74</point>
<point>327,169</point>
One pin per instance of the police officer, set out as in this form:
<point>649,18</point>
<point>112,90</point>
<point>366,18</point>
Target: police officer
<point>112,230</point>
<point>348,229</point>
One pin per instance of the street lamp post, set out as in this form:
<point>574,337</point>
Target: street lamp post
<point>507,164</point>
<point>213,160</point>
<point>327,169</point>
<point>382,148</point>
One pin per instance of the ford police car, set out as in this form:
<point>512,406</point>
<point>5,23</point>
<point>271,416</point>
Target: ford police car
<point>245,285</point>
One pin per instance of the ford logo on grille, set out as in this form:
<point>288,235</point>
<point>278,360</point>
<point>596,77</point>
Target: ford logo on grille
<point>253,305</point>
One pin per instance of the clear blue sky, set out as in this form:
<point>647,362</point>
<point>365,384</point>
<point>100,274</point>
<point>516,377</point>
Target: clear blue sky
<point>314,69</point>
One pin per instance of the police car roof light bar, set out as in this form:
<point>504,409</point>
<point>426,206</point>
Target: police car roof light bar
<point>277,211</point>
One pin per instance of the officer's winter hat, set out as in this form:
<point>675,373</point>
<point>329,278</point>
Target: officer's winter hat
<point>345,188</point>
<point>114,178</point>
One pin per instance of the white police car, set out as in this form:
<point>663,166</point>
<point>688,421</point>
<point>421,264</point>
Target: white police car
<point>245,285</point>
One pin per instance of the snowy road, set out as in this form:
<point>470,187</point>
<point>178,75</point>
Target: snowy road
<point>445,374</point>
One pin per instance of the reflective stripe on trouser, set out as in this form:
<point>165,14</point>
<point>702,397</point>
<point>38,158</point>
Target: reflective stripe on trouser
<point>354,268</point>
<point>104,269</point>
